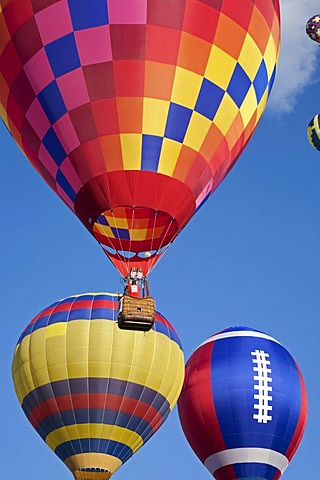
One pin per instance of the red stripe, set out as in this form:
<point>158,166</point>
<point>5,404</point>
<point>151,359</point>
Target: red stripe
<point>95,400</point>
<point>298,434</point>
<point>196,407</point>
<point>225,473</point>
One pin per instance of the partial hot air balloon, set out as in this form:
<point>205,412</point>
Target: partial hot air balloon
<point>243,406</point>
<point>94,393</point>
<point>133,111</point>
<point>314,132</point>
<point>313,28</point>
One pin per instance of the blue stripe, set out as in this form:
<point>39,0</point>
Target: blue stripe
<point>255,471</point>
<point>162,328</point>
<point>94,416</point>
<point>116,449</point>
<point>91,314</point>
<point>94,385</point>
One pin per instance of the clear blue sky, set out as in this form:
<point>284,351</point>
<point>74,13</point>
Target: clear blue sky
<point>249,257</point>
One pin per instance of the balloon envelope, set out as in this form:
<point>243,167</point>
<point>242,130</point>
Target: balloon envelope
<point>243,405</point>
<point>93,392</point>
<point>313,28</point>
<point>134,111</point>
<point>314,132</point>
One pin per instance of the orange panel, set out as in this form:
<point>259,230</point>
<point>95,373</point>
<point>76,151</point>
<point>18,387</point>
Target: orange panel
<point>184,163</point>
<point>130,114</point>
<point>159,80</point>
<point>112,153</point>
<point>229,36</point>
<point>193,53</point>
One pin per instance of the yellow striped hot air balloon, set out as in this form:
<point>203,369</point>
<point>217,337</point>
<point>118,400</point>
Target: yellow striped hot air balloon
<point>93,392</point>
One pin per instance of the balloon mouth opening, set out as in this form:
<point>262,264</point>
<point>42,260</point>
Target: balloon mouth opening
<point>135,231</point>
<point>92,474</point>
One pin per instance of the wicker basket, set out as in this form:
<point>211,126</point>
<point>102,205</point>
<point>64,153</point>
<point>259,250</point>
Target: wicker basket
<point>136,313</point>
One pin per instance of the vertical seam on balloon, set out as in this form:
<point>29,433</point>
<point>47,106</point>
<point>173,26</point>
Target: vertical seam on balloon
<point>88,359</point>
<point>120,241</point>
<point>108,378</point>
<point>157,391</point>
<point>155,260</point>
<point>68,379</point>
<point>50,384</point>
<point>124,395</point>
<point>133,448</point>
<point>132,220</point>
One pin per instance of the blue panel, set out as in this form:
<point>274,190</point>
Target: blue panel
<point>95,385</point>
<point>239,85</point>
<point>273,76</point>
<point>79,313</point>
<point>63,54</point>
<point>233,389</point>
<point>110,447</point>
<point>255,471</point>
<point>121,233</point>
<point>54,147</point>
<point>52,102</point>
<point>102,220</point>
<point>84,15</point>
<point>178,121</point>
<point>151,149</point>
<point>162,328</point>
<point>58,317</point>
<point>102,313</point>
<point>209,99</point>
<point>260,82</point>
<point>65,185</point>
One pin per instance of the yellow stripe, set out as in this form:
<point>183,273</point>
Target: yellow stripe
<point>98,460</point>
<point>103,230</point>
<point>92,430</point>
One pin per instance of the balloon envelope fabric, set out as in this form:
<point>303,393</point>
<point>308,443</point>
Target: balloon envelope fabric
<point>243,405</point>
<point>133,111</point>
<point>314,132</point>
<point>93,392</point>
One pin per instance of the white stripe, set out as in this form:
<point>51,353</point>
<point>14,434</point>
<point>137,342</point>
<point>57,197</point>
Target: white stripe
<point>238,333</point>
<point>246,455</point>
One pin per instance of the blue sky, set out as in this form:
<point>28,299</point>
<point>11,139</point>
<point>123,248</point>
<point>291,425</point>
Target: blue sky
<point>249,257</point>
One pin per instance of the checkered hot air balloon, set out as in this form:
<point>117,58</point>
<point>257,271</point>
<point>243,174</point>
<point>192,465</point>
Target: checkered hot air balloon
<point>133,111</point>
<point>243,405</point>
<point>313,28</point>
<point>94,393</point>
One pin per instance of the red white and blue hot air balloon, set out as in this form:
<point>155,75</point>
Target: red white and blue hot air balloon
<point>243,406</point>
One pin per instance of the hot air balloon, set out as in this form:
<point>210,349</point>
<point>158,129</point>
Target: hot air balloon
<point>243,405</point>
<point>94,393</point>
<point>313,28</point>
<point>133,111</point>
<point>314,132</point>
